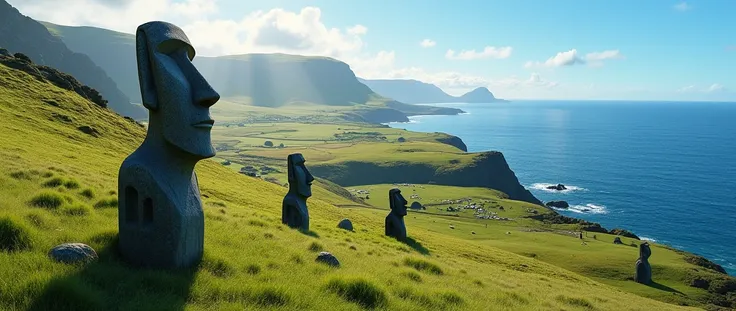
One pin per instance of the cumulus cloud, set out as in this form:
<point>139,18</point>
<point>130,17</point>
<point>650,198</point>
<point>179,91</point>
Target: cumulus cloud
<point>427,43</point>
<point>682,6</point>
<point>487,52</point>
<point>301,32</point>
<point>572,57</point>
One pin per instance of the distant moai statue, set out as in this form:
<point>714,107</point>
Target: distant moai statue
<point>160,215</point>
<point>395,226</point>
<point>643,268</point>
<point>294,212</point>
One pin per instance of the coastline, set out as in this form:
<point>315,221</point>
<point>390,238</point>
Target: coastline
<point>728,267</point>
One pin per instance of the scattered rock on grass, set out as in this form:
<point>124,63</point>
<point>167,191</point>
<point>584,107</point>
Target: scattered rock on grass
<point>617,240</point>
<point>345,224</point>
<point>328,259</point>
<point>73,253</point>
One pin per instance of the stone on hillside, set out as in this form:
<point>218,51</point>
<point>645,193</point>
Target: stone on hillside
<point>416,205</point>
<point>73,253</point>
<point>617,240</point>
<point>345,224</point>
<point>328,259</point>
<point>558,204</point>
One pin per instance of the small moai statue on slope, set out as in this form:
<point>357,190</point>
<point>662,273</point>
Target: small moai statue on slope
<point>294,212</point>
<point>395,226</point>
<point>643,268</point>
<point>160,215</point>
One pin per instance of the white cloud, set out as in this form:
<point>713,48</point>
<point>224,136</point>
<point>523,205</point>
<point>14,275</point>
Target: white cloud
<point>572,57</point>
<point>487,52</point>
<point>427,43</point>
<point>716,87</point>
<point>682,6</point>
<point>713,88</point>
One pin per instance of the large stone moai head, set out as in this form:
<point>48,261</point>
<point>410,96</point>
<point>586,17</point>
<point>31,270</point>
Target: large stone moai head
<point>175,93</point>
<point>300,180</point>
<point>397,202</point>
<point>644,251</point>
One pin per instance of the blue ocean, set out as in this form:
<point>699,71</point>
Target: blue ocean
<point>663,170</point>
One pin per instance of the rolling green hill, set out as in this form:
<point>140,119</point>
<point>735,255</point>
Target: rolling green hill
<point>59,159</point>
<point>21,34</point>
<point>263,80</point>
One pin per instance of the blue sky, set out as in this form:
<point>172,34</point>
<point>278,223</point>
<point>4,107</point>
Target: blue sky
<point>668,50</point>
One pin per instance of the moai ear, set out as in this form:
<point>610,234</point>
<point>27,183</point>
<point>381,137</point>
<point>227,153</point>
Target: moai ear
<point>145,70</point>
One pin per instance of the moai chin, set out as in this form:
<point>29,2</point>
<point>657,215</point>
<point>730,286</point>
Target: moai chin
<point>294,212</point>
<point>160,215</point>
<point>643,268</point>
<point>395,226</point>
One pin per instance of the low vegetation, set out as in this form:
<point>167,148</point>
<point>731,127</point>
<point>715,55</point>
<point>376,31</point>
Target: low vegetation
<point>254,262</point>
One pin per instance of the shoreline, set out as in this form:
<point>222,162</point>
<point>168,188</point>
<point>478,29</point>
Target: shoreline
<point>729,267</point>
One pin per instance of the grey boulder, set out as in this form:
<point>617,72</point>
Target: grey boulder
<point>328,259</point>
<point>345,224</point>
<point>73,253</point>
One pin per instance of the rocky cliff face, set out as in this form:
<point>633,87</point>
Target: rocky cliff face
<point>417,92</point>
<point>21,34</point>
<point>273,80</point>
<point>454,141</point>
<point>488,169</point>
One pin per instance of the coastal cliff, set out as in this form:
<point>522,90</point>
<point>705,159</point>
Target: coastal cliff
<point>486,169</point>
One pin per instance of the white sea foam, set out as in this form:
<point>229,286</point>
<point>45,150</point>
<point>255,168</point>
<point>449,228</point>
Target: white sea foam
<point>643,238</point>
<point>543,187</point>
<point>585,209</point>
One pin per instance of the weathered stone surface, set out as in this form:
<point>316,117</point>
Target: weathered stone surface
<point>557,204</point>
<point>160,217</point>
<point>416,205</point>
<point>73,253</point>
<point>328,259</point>
<point>395,226</point>
<point>294,211</point>
<point>345,224</point>
<point>558,187</point>
<point>643,268</point>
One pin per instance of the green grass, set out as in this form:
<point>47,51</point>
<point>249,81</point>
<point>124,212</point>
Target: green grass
<point>243,230</point>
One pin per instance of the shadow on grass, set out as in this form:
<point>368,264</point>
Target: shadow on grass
<point>310,233</point>
<point>664,288</point>
<point>414,244</point>
<point>110,284</point>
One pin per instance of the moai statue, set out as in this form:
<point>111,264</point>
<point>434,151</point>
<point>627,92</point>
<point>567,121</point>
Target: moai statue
<point>294,212</point>
<point>643,268</point>
<point>160,215</point>
<point>395,226</point>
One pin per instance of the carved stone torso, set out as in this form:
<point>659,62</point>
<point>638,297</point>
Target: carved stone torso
<point>294,212</point>
<point>395,227</point>
<point>161,221</point>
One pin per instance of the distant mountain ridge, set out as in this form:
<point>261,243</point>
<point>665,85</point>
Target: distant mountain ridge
<point>266,80</point>
<point>417,92</point>
<point>21,34</point>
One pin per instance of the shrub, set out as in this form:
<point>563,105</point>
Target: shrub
<point>78,209</point>
<point>110,202</point>
<point>416,277</point>
<point>23,57</point>
<point>88,193</point>
<point>71,184</point>
<point>14,236</point>
<point>253,269</point>
<point>268,143</point>
<point>48,199</point>
<point>359,291</point>
<point>54,182</point>
<point>423,265</point>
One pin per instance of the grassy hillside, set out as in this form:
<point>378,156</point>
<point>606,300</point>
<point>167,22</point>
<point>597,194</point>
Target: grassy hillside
<point>57,186</point>
<point>355,154</point>
<point>21,34</point>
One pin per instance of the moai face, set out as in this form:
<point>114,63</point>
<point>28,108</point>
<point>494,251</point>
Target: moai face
<point>175,93</point>
<point>398,203</point>
<point>300,180</point>
<point>645,251</point>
